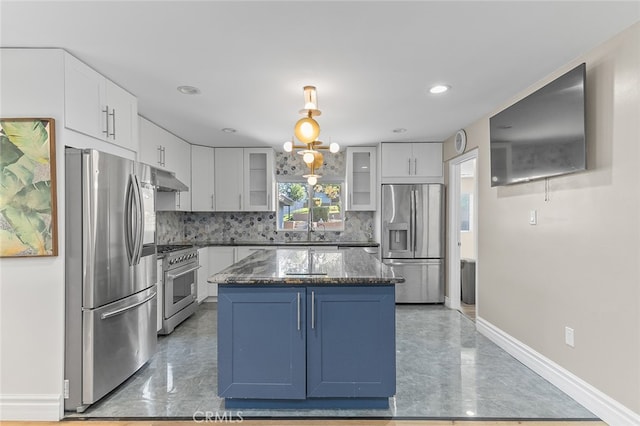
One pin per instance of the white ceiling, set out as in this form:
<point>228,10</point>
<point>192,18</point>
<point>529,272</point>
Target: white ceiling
<point>371,61</point>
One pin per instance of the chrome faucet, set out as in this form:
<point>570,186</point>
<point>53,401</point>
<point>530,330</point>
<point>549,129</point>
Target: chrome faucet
<point>310,222</point>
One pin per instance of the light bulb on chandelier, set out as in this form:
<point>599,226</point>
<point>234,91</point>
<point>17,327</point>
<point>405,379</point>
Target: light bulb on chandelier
<point>308,157</point>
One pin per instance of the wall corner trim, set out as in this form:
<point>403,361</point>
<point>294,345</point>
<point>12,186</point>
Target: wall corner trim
<point>31,407</point>
<point>609,410</point>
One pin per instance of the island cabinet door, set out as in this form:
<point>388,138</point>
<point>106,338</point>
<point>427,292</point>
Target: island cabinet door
<point>261,342</point>
<point>351,341</point>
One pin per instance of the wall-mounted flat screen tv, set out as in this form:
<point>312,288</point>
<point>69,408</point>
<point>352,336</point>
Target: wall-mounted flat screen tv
<point>541,135</point>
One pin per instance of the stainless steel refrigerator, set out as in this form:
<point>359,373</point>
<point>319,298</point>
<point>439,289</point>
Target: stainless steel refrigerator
<point>110,267</point>
<point>413,240</point>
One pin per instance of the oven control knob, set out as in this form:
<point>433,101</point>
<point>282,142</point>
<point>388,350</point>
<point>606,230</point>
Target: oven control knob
<point>171,262</point>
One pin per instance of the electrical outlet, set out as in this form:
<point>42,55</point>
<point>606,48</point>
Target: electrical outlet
<point>569,337</point>
<point>66,389</point>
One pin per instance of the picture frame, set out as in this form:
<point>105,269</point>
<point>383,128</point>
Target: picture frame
<point>28,199</point>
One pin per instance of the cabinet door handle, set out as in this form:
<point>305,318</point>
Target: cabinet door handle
<point>106,120</point>
<point>164,155</point>
<point>113,122</point>
<point>298,311</point>
<point>212,201</point>
<point>313,309</point>
<point>178,204</point>
<point>409,163</point>
<point>415,166</point>
<point>159,149</point>
<point>240,201</point>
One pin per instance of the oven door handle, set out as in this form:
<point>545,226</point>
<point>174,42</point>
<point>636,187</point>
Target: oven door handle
<point>181,273</point>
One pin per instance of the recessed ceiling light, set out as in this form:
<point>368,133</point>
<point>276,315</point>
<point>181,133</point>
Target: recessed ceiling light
<point>228,130</point>
<point>188,90</point>
<point>399,130</point>
<point>439,88</point>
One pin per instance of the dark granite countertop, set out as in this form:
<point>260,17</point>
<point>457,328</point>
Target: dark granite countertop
<point>288,243</point>
<point>306,266</point>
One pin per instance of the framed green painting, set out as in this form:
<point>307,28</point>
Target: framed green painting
<point>28,225</point>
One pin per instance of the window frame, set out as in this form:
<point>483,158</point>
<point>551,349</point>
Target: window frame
<point>310,195</point>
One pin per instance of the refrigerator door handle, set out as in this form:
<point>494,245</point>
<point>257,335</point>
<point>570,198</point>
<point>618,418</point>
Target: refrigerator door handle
<point>139,220</point>
<point>412,220</point>
<point>128,222</point>
<point>127,308</point>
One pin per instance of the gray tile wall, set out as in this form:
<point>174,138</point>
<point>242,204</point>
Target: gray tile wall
<point>204,227</point>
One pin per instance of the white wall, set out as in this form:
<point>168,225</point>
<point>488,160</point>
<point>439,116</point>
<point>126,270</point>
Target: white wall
<point>580,266</point>
<point>32,289</point>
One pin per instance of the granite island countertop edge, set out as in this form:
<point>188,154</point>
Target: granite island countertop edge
<point>284,266</point>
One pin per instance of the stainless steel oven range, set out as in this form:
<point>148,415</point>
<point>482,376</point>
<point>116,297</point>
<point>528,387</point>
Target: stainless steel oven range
<point>180,266</point>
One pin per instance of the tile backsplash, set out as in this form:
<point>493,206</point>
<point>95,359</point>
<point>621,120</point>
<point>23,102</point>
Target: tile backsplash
<point>180,227</point>
<point>204,227</point>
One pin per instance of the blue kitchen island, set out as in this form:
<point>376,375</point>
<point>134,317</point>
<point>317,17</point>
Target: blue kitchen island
<point>306,328</point>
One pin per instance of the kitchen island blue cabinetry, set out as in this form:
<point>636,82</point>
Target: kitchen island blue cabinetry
<point>302,328</point>
<point>351,341</point>
<point>261,342</point>
<point>333,347</point>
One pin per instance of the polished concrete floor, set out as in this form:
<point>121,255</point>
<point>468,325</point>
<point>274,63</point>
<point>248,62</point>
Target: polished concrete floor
<point>445,369</point>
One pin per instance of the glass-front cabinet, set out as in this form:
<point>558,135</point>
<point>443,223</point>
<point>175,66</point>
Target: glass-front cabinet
<point>258,179</point>
<point>361,178</point>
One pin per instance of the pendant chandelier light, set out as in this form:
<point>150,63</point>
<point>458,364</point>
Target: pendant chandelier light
<point>307,131</point>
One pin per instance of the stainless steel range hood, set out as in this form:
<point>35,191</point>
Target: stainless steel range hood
<point>167,182</point>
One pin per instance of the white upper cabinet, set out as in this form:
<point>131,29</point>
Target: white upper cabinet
<point>98,107</point>
<point>202,179</point>
<point>174,156</point>
<point>229,176</point>
<point>258,180</point>
<point>244,179</point>
<point>361,178</point>
<point>178,160</point>
<point>153,142</point>
<point>123,117</point>
<point>415,162</point>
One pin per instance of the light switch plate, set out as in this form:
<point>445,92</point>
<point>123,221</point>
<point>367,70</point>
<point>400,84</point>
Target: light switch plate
<point>569,337</point>
<point>533,217</point>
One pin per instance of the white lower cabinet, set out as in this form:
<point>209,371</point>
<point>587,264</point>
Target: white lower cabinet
<point>203,274</point>
<point>219,258</point>
<point>160,295</point>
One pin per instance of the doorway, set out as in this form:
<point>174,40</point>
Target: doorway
<point>463,235</point>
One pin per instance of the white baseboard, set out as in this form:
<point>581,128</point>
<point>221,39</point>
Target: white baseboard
<point>602,405</point>
<point>31,407</point>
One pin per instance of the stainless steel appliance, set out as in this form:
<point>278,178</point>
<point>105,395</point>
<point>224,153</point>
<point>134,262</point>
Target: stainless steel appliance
<point>180,266</point>
<point>413,240</point>
<point>110,267</point>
